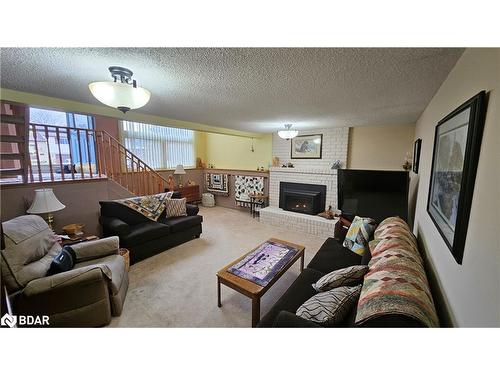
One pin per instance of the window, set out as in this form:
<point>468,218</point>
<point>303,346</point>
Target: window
<point>160,147</point>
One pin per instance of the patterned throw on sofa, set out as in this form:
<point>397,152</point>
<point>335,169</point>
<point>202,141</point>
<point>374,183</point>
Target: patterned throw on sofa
<point>396,282</point>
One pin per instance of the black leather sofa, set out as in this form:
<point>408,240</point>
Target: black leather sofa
<point>144,237</point>
<point>331,256</point>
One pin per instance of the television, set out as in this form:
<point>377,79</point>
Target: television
<point>375,194</point>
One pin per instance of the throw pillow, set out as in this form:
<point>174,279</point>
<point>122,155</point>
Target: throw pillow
<point>340,277</point>
<point>359,234</point>
<point>176,207</point>
<point>330,308</point>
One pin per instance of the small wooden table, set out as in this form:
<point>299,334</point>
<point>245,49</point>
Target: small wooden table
<point>257,200</point>
<point>251,289</point>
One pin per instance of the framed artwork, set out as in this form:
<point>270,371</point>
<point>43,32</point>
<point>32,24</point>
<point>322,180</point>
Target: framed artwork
<point>457,142</point>
<point>416,154</point>
<point>307,146</point>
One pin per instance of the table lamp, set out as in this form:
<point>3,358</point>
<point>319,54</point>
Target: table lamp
<point>45,202</point>
<point>179,170</point>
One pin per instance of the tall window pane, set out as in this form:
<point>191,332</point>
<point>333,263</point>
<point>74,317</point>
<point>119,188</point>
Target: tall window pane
<point>161,147</point>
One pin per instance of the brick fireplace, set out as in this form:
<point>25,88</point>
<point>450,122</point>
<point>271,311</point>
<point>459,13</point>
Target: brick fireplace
<point>309,172</point>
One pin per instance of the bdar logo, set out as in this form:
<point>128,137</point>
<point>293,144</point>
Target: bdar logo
<point>8,320</point>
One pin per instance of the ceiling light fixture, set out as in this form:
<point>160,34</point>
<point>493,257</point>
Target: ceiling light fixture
<point>288,134</point>
<point>122,94</point>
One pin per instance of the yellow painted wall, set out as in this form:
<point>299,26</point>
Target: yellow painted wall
<point>200,145</point>
<point>379,147</point>
<point>233,152</point>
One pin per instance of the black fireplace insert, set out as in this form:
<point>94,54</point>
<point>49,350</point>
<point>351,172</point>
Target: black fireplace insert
<point>304,198</point>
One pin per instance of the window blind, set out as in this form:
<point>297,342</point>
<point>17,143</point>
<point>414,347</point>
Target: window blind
<point>161,147</point>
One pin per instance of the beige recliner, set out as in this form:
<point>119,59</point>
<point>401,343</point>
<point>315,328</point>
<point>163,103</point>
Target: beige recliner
<point>85,296</point>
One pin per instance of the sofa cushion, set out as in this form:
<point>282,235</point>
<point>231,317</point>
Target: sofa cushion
<point>300,290</point>
<point>144,232</point>
<point>359,233</point>
<point>175,208</point>
<point>333,256</point>
<point>124,213</point>
<point>181,223</point>
<point>331,307</point>
<point>343,277</point>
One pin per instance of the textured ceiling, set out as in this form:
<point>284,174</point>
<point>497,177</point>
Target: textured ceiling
<point>248,89</point>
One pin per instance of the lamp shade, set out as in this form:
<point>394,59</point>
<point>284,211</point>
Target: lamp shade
<point>120,95</point>
<point>288,133</point>
<point>179,169</point>
<point>45,201</point>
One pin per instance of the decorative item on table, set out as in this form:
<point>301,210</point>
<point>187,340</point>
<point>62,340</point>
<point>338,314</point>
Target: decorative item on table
<point>210,165</point>
<point>73,230</point>
<point>246,185</point>
<point>289,165</point>
<point>179,171</point>
<point>327,214</point>
<point>457,143</point>
<point>276,161</point>
<point>122,94</point>
<point>217,183</point>
<point>45,202</point>
<point>336,164</point>
<point>262,169</point>
<point>416,154</point>
<point>171,183</point>
<point>407,164</point>
<point>200,163</point>
<point>307,146</point>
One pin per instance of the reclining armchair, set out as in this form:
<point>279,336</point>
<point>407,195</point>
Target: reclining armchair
<point>85,296</point>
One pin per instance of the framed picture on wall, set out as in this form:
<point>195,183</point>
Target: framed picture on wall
<point>307,146</point>
<point>416,154</point>
<point>457,142</point>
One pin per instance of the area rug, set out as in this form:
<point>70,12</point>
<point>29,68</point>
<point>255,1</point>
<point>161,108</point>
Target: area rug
<point>262,264</point>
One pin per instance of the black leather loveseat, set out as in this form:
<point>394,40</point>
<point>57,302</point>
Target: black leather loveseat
<point>331,256</point>
<point>144,237</point>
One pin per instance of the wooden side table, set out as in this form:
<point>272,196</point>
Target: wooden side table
<point>80,238</point>
<point>190,192</point>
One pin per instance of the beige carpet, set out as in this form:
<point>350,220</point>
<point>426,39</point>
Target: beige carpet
<point>177,288</point>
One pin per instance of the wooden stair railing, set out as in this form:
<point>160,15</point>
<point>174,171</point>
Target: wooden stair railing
<point>67,154</point>
<point>124,167</point>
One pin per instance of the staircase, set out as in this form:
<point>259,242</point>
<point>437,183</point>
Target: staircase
<point>36,153</point>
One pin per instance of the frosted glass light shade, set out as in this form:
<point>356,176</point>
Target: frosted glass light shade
<point>288,134</point>
<point>179,169</point>
<point>120,95</point>
<point>45,201</point>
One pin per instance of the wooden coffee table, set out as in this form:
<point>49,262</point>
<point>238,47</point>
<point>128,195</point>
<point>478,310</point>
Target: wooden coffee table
<point>251,289</point>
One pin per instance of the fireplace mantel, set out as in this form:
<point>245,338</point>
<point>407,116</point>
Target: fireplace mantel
<point>302,170</point>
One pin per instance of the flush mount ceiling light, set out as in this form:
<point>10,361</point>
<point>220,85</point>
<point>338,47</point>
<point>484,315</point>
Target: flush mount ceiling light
<point>123,93</point>
<point>288,134</point>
